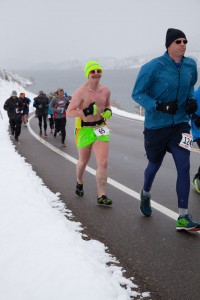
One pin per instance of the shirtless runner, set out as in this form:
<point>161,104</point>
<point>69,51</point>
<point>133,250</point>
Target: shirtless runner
<point>90,105</point>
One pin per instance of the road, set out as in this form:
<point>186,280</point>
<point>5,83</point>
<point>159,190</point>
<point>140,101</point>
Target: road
<point>162,261</point>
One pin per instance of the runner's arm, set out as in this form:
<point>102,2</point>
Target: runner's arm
<point>73,110</point>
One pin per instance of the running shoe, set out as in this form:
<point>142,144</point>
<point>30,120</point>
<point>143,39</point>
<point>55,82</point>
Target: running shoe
<point>196,183</point>
<point>40,132</point>
<point>79,189</point>
<point>145,205</point>
<point>63,145</point>
<point>186,223</point>
<point>103,200</point>
<point>45,133</point>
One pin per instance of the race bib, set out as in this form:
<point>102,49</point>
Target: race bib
<point>186,141</point>
<point>102,130</point>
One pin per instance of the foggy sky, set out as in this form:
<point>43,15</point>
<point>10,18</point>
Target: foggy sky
<point>36,31</point>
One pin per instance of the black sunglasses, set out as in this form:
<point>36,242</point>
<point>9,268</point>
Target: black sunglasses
<point>180,41</point>
<point>99,71</point>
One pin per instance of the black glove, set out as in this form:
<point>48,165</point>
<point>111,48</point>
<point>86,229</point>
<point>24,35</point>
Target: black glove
<point>196,120</point>
<point>168,107</point>
<point>90,110</point>
<point>191,106</point>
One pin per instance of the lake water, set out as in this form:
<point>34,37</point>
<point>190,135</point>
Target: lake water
<point>120,82</point>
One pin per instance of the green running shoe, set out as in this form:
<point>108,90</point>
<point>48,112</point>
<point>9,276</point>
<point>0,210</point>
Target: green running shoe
<point>145,205</point>
<point>103,200</point>
<point>79,189</point>
<point>186,223</point>
<point>196,183</point>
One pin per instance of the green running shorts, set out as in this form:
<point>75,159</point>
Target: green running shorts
<point>85,136</point>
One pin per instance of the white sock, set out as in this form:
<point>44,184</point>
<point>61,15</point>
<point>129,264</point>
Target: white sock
<point>182,211</point>
<point>146,193</point>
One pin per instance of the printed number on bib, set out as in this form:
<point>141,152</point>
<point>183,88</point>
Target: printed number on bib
<point>186,141</point>
<point>102,130</point>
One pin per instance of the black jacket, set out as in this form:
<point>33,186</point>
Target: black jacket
<point>41,105</point>
<point>14,107</point>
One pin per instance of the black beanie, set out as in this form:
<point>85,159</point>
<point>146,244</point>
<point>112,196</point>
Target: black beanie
<point>173,34</point>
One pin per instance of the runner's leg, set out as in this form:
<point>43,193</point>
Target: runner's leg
<point>45,122</point>
<point>149,174</point>
<point>62,129</point>
<point>182,161</point>
<point>40,122</point>
<point>84,156</point>
<point>101,150</point>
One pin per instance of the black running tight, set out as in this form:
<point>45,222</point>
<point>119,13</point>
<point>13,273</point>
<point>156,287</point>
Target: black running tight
<point>44,118</point>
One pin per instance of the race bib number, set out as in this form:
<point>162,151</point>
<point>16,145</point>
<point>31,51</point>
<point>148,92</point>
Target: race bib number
<point>186,141</point>
<point>102,130</point>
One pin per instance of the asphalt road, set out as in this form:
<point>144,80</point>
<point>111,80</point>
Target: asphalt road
<point>162,261</point>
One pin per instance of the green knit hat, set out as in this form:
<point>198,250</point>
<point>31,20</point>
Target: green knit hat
<point>91,65</point>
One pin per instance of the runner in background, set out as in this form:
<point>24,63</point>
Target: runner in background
<point>26,102</point>
<point>41,103</point>
<point>14,108</point>
<point>195,126</point>
<point>50,112</point>
<point>59,105</point>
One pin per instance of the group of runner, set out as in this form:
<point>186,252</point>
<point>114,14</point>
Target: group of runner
<point>54,106</point>
<point>165,89</point>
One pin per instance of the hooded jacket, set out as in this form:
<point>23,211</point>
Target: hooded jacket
<point>161,81</point>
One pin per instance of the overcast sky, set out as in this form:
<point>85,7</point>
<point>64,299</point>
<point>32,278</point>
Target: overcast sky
<point>35,31</point>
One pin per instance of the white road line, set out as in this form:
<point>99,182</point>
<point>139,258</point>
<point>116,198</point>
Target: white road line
<point>168,212</point>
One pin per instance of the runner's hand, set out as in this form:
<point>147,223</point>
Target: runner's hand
<point>168,107</point>
<point>60,110</point>
<point>107,113</point>
<point>196,120</point>
<point>191,106</point>
<point>90,110</point>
